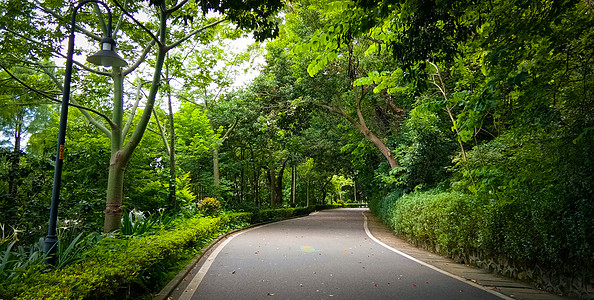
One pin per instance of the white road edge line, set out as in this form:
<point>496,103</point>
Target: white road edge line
<point>430,266</point>
<point>193,285</point>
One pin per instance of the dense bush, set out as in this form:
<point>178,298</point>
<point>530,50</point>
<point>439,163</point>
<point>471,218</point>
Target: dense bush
<point>117,265</point>
<point>210,206</point>
<point>269,215</point>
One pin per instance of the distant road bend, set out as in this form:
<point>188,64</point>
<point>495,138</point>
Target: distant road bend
<point>327,255</point>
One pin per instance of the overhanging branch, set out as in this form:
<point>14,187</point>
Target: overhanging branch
<point>52,98</point>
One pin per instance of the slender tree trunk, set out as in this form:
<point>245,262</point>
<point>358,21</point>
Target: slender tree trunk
<point>172,171</point>
<point>117,162</point>
<point>307,193</point>
<point>442,88</point>
<point>215,166</point>
<point>279,183</point>
<point>271,183</point>
<point>121,155</point>
<point>324,191</point>
<point>16,157</point>
<point>276,183</point>
<point>293,184</point>
<point>242,183</point>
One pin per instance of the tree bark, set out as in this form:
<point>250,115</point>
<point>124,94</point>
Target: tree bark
<point>215,154</point>
<point>115,190</point>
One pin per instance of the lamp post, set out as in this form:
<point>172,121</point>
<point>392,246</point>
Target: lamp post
<point>105,57</point>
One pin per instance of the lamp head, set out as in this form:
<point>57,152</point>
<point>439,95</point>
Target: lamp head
<point>107,55</point>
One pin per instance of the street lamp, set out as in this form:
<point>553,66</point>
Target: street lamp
<point>105,57</point>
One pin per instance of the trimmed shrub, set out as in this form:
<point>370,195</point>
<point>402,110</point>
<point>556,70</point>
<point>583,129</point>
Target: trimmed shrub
<point>210,207</point>
<point>115,264</point>
<point>517,239</point>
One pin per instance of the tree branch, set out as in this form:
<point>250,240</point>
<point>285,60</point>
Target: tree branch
<point>230,129</point>
<point>58,54</point>
<point>140,59</point>
<point>133,111</point>
<point>163,138</point>
<point>173,9</point>
<point>194,33</point>
<point>116,28</point>
<point>74,103</point>
<point>99,15</point>
<point>60,17</point>
<point>117,3</point>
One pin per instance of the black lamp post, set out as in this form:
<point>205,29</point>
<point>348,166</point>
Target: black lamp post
<point>105,57</point>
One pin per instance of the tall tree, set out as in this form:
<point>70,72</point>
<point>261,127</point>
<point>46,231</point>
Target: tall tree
<point>168,26</point>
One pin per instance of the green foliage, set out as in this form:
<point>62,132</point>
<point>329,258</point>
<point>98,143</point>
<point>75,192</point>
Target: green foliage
<point>183,190</point>
<point>446,221</point>
<point>16,264</point>
<point>277,214</point>
<point>134,223</point>
<point>529,234</point>
<point>210,206</point>
<point>115,266</point>
<point>427,147</point>
<point>15,261</point>
<point>71,248</point>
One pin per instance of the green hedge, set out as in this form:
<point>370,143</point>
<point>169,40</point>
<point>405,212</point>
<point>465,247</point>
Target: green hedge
<point>277,214</point>
<point>517,239</point>
<point>270,215</point>
<point>447,222</point>
<point>115,263</point>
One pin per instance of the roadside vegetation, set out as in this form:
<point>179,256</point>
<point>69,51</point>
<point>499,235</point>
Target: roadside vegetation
<point>467,126</point>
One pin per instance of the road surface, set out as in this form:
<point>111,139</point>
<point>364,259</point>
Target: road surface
<point>327,255</point>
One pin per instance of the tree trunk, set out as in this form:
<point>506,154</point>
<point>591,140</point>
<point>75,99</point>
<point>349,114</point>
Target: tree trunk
<point>117,162</point>
<point>16,157</point>
<point>121,155</point>
<point>307,193</point>
<point>362,126</point>
<point>172,175</point>
<point>276,183</point>
<point>324,191</point>
<point>257,187</point>
<point>215,166</point>
<point>115,190</point>
<point>293,184</point>
<point>215,154</point>
<point>355,192</point>
<point>279,183</point>
<point>272,188</point>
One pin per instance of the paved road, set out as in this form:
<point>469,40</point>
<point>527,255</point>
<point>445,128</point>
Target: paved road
<point>327,255</point>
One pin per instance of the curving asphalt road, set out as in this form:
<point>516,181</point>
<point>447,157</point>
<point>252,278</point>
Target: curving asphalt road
<point>327,255</point>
